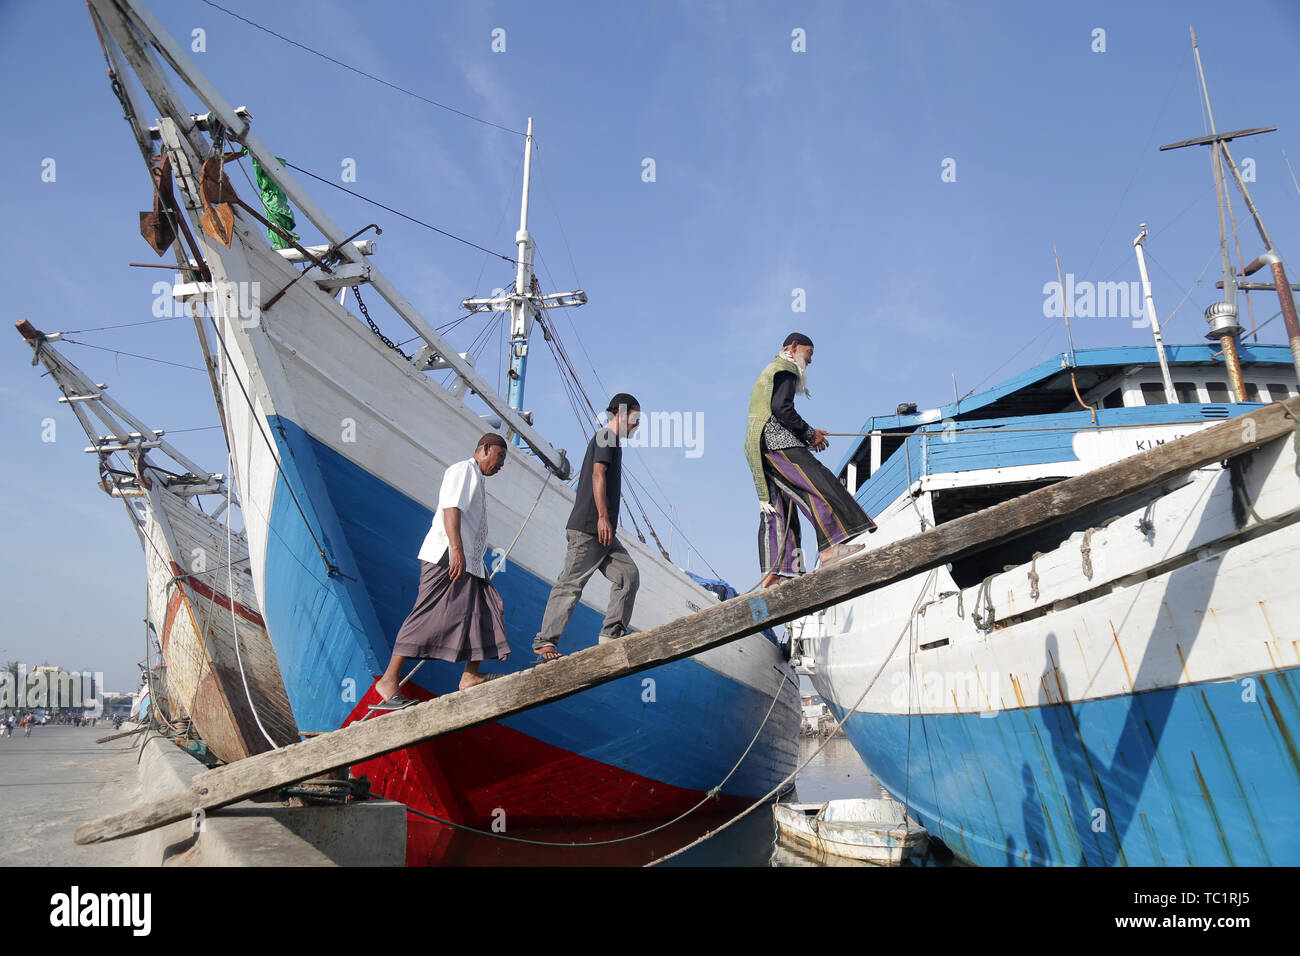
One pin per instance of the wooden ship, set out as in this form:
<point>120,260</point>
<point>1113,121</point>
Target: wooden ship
<point>221,670</point>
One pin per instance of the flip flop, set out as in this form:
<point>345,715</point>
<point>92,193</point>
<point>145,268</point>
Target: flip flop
<point>542,658</point>
<point>396,702</point>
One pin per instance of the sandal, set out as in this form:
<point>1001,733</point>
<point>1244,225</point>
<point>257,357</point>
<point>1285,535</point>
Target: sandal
<point>547,652</point>
<point>396,702</point>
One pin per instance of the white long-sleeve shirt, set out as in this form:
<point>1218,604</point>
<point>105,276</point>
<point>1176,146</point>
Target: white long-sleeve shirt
<point>462,489</point>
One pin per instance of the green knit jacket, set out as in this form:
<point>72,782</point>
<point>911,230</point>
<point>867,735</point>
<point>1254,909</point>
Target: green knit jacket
<point>760,410</point>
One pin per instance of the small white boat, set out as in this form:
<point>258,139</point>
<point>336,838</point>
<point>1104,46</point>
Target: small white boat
<point>877,831</point>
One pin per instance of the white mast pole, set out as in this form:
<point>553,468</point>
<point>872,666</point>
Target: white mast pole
<point>522,307</point>
<point>1170,395</point>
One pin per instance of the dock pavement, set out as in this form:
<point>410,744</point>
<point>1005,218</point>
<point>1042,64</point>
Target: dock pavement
<point>54,781</point>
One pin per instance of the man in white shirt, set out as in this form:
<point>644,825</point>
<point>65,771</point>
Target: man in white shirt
<point>458,614</point>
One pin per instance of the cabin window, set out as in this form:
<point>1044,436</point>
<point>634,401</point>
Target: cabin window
<point>1114,400</point>
<point>1252,392</point>
<point>1279,392</point>
<point>1153,393</point>
<point>1218,392</point>
<point>1186,393</point>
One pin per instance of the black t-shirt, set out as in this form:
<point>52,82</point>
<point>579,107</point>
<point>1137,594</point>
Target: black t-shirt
<point>603,448</point>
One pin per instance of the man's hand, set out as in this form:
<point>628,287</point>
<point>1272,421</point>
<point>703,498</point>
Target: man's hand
<point>604,531</point>
<point>819,442</point>
<point>456,559</point>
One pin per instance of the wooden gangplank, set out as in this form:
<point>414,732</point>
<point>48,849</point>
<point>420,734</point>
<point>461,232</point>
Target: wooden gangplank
<point>720,624</point>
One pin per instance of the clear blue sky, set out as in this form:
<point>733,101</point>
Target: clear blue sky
<point>774,170</point>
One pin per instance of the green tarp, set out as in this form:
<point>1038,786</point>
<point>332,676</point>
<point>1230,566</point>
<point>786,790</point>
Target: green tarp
<point>276,205</point>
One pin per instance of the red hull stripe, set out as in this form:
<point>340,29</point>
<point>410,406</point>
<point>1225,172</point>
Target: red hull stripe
<point>216,597</point>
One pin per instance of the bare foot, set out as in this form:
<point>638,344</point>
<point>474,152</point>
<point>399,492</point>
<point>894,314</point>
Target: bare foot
<point>768,581</point>
<point>833,554</point>
<point>468,680</point>
<point>385,688</point>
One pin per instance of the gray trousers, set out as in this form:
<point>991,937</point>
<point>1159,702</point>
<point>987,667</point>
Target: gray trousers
<point>583,558</point>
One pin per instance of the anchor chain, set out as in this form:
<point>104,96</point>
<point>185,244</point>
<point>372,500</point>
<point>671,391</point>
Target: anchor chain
<point>365,313</point>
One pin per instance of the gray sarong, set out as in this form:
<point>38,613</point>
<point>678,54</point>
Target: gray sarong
<point>463,621</point>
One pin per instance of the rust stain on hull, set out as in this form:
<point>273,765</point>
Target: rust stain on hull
<point>1268,623</point>
<point>1122,658</point>
<point>1015,687</point>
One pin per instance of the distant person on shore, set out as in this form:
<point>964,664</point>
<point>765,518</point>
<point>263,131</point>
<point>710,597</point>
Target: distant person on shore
<point>779,446</point>
<point>592,537</point>
<point>458,614</point>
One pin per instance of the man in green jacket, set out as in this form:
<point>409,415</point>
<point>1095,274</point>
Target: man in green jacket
<point>779,446</point>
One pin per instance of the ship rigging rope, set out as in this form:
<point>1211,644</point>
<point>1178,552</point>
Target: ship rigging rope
<point>447,327</point>
<point>398,212</point>
<point>577,396</point>
<point>1142,155</point>
<point>505,554</point>
<point>794,773</point>
<point>576,389</point>
<point>1132,179</point>
<point>644,463</point>
<point>124,325</point>
<point>709,795</point>
<point>360,72</point>
<point>234,621</point>
<point>1005,431</point>
<point>1051,324</point>
<point>87,345</point>
<point>1190,289</point>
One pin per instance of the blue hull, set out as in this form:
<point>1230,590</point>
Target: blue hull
<point>1198,775</point>
<point>333,634</point>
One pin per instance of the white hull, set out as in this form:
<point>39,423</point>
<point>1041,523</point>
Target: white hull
<point>1095,617</point>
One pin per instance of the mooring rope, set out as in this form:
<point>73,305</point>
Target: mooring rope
<point>709,795</point>
<point>794,773</point>
<point>234,621</point>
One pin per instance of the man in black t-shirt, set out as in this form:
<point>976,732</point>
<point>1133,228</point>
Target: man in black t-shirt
<point>593,544</point>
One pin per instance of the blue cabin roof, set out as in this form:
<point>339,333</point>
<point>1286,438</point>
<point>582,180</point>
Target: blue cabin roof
<point>1047,388</point>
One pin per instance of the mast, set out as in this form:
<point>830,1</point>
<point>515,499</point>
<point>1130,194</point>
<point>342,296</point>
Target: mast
<point>522,309</point>
<point>1065,307</point>
<point>1171,396</point>
<point>524,302</point>
<point>126,435</point>
<point>1222,316</point>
